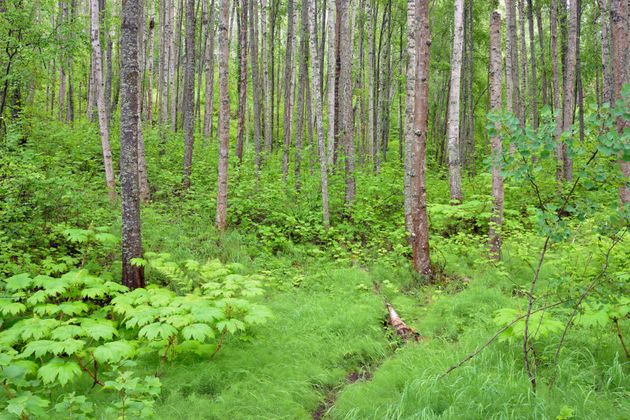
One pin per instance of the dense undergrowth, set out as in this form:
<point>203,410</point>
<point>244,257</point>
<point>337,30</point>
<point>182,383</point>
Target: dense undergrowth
<point>325,290</point>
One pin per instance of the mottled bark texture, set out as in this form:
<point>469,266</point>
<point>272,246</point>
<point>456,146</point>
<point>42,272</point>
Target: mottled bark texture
<point>346,120</point>
<point>189,93</point>
<point>453,142</point>
<point>497,149</point>
<point>99,90</point>
<point>420,219</point>
<point>316,105</point>
<point>224,117</point>
<point>569,88</point>
<point>410,136</point>
<point>133,275</point>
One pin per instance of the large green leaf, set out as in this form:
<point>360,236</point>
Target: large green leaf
<point>197,332</point>
<point>18,282</point>
<point>157,329</point>
<point>59,370</point>
<point>114,351</point>
<point>101,329</point>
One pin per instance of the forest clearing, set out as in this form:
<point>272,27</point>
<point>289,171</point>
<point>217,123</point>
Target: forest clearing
<point>315,209</point>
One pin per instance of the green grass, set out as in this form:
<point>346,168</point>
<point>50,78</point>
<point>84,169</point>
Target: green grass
<point>328,320</point>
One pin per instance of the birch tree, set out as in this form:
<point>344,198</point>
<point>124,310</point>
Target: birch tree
<point>99,89</point>
<point>189,92</point>
<point>497,148</point>
<point>453,145</point>
<point>224,116</point>
<point>316,105</point>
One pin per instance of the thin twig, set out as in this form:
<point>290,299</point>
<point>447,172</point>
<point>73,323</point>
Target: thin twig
<point>581,299</point>
<point>620,335</point>
<point>530,304</point>
<point>497,334</point>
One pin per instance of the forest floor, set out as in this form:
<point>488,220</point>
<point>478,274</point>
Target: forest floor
<point>327,352</point>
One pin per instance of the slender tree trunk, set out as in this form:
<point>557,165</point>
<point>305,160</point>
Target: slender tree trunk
<point>556,88</point>
<point>370,82</point>
<point>541,40</point>
<point>302,87</point>
<point>316,105</point>
<point>607,68</point>
<point>497,148</point>
<point>512,59</point>
<point>189,92</point>
<point>201,46</point>
<point>224,117</point>
<point>621,61</point>
<point>242,79</point>
<point>346,119</point>
<point>420,219</point>
<point>133,275</point>
<point>209,95</point>
<point>100,101</point>
<point>150,50</point>
<point>289,71</point>
<point>330,83</point>
<point>253,42</point>
<point>533,85</point>
<point>569,86</point>
<point>410,135</point>
<point>172,55</point>
<point>523,64</point>
<point>143,183</point>
<point>267,78</point>
<point>454,164</point>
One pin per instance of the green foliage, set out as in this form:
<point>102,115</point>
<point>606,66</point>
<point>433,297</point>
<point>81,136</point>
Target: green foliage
<point>57,330</point>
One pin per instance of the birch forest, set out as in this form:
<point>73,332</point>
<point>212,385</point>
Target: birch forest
<point>315,209</point>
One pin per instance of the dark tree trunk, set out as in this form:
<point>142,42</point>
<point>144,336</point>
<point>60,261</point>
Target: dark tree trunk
<point>133,275</point>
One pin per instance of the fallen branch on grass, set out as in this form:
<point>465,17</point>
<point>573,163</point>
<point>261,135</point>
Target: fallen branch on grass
<point>402,329</point>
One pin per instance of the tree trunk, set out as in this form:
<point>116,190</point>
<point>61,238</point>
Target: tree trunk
<point>607,69</point>
<point>330,84</point>
<point>302,87</point>
<point>289,71</point>
<point>143,183</point>
<point>453,145</point>
<point>370,81</point>
<point>267,80</point>
<point>497,148</point>
<point>172,55</point>
<point>150,50</point>
<point>569,87</point>
<point>553,19</point>
<point>189,92</point>
<point>253,42</point>
<point>420,219</point>
<point>224,117</point>
<point>533,84</point>
<point>621,60</point>
<point>523,64</point>
<point>242,79</point>
<point>133,275</point>
<point>512,59</point>
<point>209,95</point>
<point>316,105</point>
<point>410,135</point>
<point>542,53</point>
<point>346,119</point>
<point>100,101</point>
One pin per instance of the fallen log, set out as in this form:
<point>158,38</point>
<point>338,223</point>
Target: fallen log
<point>403,330</point>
